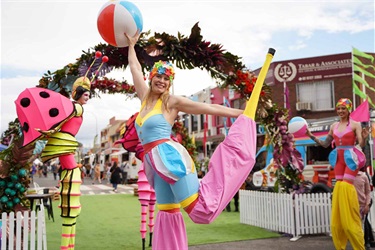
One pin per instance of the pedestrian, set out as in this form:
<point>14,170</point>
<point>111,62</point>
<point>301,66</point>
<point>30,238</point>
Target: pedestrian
<point>33,170</point>
<point>96,174</point>
<point>40,169</point>
<point>115,173</point>
<point>169,167</point>
<point>124,170</point>
<point>54,170</point>
<point>108,173</point>
<point>45,170</point>
<point>362,186</point>
<point>236,198</point>
<point>368,232</point>
<point>346,219</point>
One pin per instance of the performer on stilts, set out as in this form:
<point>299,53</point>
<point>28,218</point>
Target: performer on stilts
<point>47,115</point>
<point>169,167</point>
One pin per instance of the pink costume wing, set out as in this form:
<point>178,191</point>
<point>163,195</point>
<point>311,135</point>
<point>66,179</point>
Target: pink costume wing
<point>130,140</point>
<point>41,108</point>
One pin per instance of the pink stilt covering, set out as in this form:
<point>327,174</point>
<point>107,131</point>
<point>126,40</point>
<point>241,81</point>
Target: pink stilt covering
<point>170,232</point>
<point>147,199</point>
<point>229,166</point>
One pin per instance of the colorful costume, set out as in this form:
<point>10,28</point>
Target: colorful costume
<point>47,115</point>
<point>345,220</point>
<point>171,171</point>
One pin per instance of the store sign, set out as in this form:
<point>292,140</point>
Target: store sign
<point>313,69</point>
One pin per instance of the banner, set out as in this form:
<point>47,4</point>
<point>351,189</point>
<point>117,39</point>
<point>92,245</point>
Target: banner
<point>364,69</point>
<point>361,113</point>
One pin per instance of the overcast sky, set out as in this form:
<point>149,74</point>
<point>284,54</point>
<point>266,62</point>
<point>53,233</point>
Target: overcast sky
<point>37,36</point>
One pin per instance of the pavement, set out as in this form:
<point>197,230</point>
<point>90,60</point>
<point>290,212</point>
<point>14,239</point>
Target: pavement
<point>306,242</point>
<point>310,242</point>
<point>87,188</point>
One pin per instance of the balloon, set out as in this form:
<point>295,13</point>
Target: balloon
<point>116,18</point>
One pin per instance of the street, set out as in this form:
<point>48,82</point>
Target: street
<point>87,188</point>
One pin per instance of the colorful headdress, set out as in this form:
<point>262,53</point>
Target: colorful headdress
<point>84,81</point>
<point>345,102</point>
<point>162,68</point>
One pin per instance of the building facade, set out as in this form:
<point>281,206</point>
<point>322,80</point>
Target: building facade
<point>307,87</point>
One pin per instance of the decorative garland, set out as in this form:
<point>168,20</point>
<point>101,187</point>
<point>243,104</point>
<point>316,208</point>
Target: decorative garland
<point>185,52</point>
<point>15,163</point>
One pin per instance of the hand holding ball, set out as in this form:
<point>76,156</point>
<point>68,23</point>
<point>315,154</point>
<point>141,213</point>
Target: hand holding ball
<point>297,126</point>
<point>116,18</point>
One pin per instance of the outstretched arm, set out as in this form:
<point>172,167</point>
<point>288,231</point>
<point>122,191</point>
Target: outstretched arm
<point>188,106</point>
<point>135,68</point>
<point>322,143</point>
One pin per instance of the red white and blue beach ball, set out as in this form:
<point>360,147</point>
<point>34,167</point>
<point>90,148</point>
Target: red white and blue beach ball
<point>116,18</point>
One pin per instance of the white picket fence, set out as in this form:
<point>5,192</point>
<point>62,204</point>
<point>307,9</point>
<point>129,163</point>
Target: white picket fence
<point>25,231</point>
<point>299,215</point>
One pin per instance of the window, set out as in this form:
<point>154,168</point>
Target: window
<point>319,94</point>
<point>185,119</point>
<point>201,122</point>
<point>194,123</point>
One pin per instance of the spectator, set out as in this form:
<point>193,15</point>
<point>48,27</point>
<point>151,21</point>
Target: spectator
<point>115,173</point>
<point>236,198</point>
<point>97,174</point>
<point>54,170</point>
<point>33,170</point>
<point>124,170</point>
<point>362,186</point>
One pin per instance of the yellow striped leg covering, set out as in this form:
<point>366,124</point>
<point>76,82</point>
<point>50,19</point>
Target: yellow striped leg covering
<point>70,205</point>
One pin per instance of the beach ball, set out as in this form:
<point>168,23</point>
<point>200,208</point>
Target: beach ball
<point>297,126</point>
<point>116,18</point>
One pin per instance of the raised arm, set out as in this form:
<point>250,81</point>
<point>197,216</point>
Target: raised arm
<point>135,68</point>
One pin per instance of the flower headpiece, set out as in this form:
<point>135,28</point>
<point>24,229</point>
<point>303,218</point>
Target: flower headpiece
<point>345,102</point>
<point>84,81</point>
<point>162,68</point>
